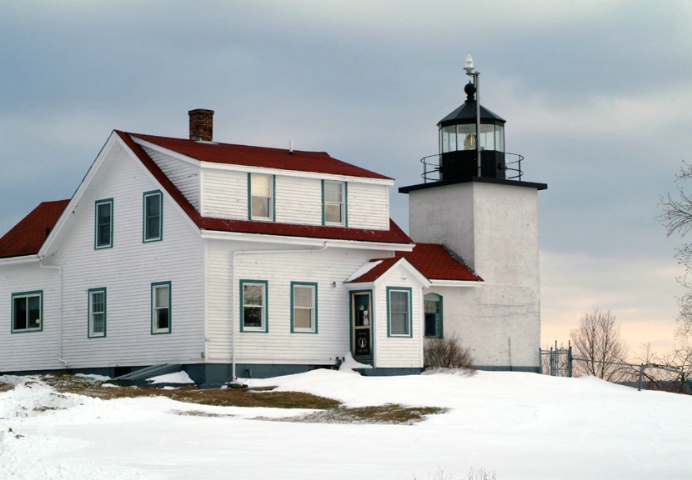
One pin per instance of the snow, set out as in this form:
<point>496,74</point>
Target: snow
<point>181,378</point>
<point>363,270</point>
<point>519,425</point>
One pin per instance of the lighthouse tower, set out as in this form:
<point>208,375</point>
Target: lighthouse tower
<point>475,202</point>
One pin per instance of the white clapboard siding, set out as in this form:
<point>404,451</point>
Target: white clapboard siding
<point>328,268</point>
<point>29,350</point>
<point>127,271</point>
<point>184,175</point>
<point>298,200</point>
<point>395,351</point>
<point>224,194</point>
<point>368,206</point>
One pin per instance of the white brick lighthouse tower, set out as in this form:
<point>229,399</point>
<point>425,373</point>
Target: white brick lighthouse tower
<point>474,201</point>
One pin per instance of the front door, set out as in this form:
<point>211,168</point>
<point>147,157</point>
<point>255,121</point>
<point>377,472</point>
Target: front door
<point>361,322</point>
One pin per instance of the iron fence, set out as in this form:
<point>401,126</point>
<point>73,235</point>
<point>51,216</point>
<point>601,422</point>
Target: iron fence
<point>559,362</point>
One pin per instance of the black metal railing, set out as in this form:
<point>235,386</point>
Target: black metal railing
<point>432,169</point>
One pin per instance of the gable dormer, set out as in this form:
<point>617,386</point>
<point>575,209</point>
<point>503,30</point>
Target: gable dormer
<point>239,182</point>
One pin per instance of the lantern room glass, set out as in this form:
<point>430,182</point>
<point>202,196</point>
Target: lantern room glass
<point>463,137</point>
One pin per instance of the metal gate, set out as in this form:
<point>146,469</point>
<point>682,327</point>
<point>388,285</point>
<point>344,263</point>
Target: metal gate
<point>556,361</point>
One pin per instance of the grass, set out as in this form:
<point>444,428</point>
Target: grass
<point>327,410</point>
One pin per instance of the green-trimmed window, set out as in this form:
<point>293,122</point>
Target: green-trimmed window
<point>27,311</point>
<point>97,312</point>
<point>303,307</point>
<point>161,307</point>
<point>103,236</point>
<point>399,311</point>
<point>333,203</point>
<point>432,307</point>
<point>153,216</point>
<point>261,193</point>
<point>253,305</point>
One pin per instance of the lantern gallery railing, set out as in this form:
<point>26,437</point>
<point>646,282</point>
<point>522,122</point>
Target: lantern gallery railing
<point>432,169</point>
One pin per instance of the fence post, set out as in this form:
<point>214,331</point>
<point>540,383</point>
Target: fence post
<point>540,361</point>
<point>641,374</point>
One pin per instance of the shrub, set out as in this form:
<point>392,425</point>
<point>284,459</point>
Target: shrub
<point>446,353</point>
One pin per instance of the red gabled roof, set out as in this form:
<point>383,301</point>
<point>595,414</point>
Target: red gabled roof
<point>432,260</point>
<point>393,235</point>
<point>27,237</point>
<point>318,162</point>
<point>436,262</point>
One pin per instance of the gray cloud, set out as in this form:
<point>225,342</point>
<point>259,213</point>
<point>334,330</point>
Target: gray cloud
<point>596,94</point>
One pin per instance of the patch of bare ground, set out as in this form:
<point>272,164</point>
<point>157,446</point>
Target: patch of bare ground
<point>328,410</point>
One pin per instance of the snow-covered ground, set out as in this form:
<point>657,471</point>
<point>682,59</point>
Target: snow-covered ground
<point>519,425</point>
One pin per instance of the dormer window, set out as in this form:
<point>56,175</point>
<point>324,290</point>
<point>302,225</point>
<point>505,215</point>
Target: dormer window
<point>334,203</point>
<point>261,197</point>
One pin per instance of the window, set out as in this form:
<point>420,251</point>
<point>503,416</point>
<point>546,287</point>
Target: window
<point>161,307</point>
<point>261,189</point>
<point>104,224</point>
<point>334,203</point>
<point>27,310</point>
<point>153,216</point>
<point>433,315</point>
<point>97,312</point>
<point>399,311</point>
<point>303,307</point>
<point>253,305</point>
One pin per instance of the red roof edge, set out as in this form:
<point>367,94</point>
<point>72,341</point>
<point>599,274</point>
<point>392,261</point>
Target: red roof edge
<point>29,235</point>
<point>162,178</point>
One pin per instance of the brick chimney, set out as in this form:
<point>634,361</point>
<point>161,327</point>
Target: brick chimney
<point>201,124</point>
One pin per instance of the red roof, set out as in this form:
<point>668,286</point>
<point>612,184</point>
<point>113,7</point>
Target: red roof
<point>432,260</point>
<point>27,237</point>
<point>393,235</point>
<point>318,162</point>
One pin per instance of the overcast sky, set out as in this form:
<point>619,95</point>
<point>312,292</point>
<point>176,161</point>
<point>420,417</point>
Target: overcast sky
<point>597,97</point>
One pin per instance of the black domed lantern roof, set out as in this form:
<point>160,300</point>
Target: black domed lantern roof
<point>458,150</point>
<point>466,112</point>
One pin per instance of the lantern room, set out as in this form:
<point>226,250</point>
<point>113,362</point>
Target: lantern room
<point>458,149</point>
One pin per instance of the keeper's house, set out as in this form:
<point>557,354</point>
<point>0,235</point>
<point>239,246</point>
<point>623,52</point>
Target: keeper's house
<point>237,261</point>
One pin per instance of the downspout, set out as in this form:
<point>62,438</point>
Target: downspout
<point>233,307</point>
<point>60,293</point>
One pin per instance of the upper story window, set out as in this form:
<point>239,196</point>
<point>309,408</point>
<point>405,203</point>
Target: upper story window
<point>103,237</point>
<point>334,203</point>
<point>153,216</point>
<point>261,193</point>
<point>27,310</point>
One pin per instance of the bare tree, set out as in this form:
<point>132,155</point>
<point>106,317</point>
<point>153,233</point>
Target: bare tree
<point>597,343</point>
<point>677,217</point>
